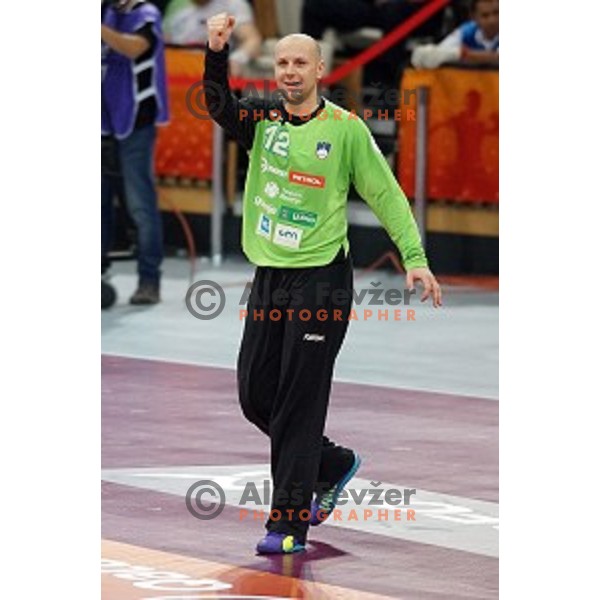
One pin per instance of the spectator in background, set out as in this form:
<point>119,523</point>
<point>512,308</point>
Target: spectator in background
<point>185,24</point>
<point>350,15</point>
<point>134,101</point>
<point>475,42</point>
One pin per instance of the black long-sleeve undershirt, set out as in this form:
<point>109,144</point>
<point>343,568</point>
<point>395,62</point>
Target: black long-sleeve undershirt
<point>223,106</point>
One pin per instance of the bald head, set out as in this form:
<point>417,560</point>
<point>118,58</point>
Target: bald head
<point>298,68</point>
<point>299,42</point>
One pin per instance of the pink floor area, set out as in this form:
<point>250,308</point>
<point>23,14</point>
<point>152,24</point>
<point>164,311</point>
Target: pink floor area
<point>159,414</point>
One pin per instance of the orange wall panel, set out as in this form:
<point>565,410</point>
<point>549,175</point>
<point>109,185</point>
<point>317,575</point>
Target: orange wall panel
<point>184,145</point>
<point>463,135</point>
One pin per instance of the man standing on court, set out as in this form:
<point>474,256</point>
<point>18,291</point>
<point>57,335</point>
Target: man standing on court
<point>304,152</point>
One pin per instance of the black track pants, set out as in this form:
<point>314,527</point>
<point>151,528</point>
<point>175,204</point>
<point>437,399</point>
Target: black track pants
<point>285,368</point>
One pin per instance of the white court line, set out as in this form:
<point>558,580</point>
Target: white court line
<point>442,520</point>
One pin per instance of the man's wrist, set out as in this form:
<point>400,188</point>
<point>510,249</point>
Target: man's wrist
<point>416,264</point>
<point>224,49</point>
<point>105,30</point>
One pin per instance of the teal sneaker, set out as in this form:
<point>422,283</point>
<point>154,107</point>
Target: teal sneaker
<point>322,506</point>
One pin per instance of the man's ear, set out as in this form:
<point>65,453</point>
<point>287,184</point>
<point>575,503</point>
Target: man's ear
<point>320,69</point>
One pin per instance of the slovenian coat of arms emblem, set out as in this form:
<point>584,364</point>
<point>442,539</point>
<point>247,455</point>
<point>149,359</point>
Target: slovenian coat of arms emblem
<point>323,149</point>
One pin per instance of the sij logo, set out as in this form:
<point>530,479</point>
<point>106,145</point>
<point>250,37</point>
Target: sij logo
<point>287,236</point>
<point>323,149</point>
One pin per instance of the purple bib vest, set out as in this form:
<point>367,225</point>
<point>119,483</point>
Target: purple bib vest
<point>121,96</point>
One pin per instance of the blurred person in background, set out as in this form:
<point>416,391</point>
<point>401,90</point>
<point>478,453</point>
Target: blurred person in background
<point>350,15</point>
<point>475,42</point>
<point>186,24</point>
<point>134,101</point>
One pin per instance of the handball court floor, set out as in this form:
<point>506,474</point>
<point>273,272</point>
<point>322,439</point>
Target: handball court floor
<point>417,400</point>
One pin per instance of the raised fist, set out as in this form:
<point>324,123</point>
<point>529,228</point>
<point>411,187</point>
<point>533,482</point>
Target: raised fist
<point>219,31</point>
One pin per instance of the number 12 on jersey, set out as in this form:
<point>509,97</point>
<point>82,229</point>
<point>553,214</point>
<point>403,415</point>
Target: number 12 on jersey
<point>277,140</point>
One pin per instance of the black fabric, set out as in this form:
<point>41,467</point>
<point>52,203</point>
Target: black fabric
<point>161,5</point>
<point>147,32</point>
<point>147,108</point>
<point>284,382</point>
<point>109,157</point>
<point>226,109</point>
<point>350,15</point>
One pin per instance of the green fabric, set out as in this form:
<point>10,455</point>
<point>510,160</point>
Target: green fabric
<point>175,6</point>
<point>297,185</point>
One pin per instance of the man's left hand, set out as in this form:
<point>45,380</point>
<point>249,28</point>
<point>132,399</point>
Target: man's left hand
<point>430,285</point>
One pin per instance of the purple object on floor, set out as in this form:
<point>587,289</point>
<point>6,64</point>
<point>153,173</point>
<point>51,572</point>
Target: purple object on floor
<point>279,543</point>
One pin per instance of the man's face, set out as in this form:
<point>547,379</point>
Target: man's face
<point>487,16</point>
<point>298,67</point>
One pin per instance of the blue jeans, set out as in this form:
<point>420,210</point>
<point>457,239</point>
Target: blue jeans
<point>136,154</point>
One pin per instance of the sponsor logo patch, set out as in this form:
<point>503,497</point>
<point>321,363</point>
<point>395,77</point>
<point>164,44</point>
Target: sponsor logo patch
<point>313,337</point>
<point>291,196</point>
<point>267,167</point>
<point>315,181</point>
<point>264,205</point>
<point>264,226</point>
<point>287,236</point>
<point>271,189</point>
<point>299,217</point>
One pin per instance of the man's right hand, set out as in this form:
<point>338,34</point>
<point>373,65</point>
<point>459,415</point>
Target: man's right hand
<point>220,28</point>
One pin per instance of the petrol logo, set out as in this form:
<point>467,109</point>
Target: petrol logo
<point>307,179</point>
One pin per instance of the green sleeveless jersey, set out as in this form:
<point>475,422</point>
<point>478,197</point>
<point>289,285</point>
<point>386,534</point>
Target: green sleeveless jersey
<point>296,192</point>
